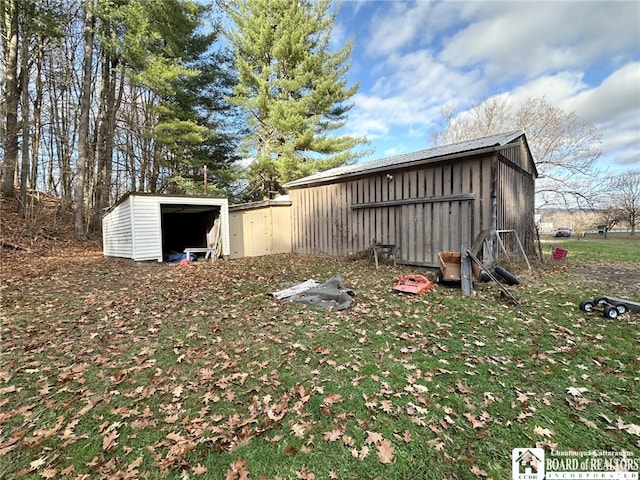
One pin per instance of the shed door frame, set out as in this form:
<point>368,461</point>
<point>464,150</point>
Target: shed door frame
<point>196,237</point>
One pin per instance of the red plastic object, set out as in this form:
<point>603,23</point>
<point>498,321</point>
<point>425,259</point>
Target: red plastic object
<point>417,284</point>
<point>559,253</point>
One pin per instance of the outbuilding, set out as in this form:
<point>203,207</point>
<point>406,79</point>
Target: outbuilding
<point>423,202</point>
<point>144,226</point>
<point>260,228</point>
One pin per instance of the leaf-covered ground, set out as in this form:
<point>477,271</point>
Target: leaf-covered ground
<point>116,370</point>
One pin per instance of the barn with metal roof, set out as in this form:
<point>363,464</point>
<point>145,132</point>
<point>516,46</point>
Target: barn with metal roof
<point>422,202</point>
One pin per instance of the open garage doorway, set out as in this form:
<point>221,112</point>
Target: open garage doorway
<point>186,226</point>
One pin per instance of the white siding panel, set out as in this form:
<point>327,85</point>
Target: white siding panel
<point>147,235</point>
<point>116,231</point>
<point>224,219</point>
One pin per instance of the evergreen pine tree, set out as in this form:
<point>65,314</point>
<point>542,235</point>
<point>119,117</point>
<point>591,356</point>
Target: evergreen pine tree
<point>293,88</point>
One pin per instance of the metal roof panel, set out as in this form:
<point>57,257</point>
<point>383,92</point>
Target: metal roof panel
<point>406,158</point>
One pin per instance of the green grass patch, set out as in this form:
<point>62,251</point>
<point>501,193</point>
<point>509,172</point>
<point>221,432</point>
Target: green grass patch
<point>167,372</point>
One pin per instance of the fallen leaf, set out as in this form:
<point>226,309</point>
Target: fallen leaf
<point>305,474</point>
<point>290,451</point>
<point>588,423</point>
<point>177,391</point>
<point>49,473</point>
<point>543,432</point>
<point>360,455</point>
<point>478,472</point>
<point>372,437</point>
<point>386,406</point>
<point>298,429</point>
<point>463,388</point>
<point>385,450</point>
<point>36,464</point>
<point>475,423</point>
<point>237,470</point>
<point>109,440</point>
<point>333,435</point>
<point>576,392</point>
<point>332,399</point>
<point>199,470</point>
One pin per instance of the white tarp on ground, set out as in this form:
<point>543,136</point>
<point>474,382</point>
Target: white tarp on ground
<point>290,292</point>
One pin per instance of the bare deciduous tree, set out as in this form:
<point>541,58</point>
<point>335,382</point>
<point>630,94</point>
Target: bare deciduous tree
<point>83,135</point>
<point>565,150</point>
<point>10,18</point>
<point>625,191</point>
<point>609,217</point>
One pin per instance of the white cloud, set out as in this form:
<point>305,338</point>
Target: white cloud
<point>556,89</point>
<point>530,38</point>
<point>396,26</point>
<point>618,93</point>
<point>410,94</point>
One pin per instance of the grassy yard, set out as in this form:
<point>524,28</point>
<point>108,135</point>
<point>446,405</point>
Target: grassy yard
<point>114,370</point>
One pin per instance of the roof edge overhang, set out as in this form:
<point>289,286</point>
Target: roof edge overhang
<point>504,141</point>
<point>262,204</point>
<point>128,195</point>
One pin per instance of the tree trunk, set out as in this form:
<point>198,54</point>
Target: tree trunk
<point>83,128</point>
<point>37,118</point>
<point>110,104</point>
<point>10,144</point>
<point>24,167</point>
<point>155,173</point>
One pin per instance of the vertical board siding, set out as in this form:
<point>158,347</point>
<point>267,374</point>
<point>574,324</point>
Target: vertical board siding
<point>515,206</point>
<point>324,220</point>
<point>237,234</point>
<point>281,229</point>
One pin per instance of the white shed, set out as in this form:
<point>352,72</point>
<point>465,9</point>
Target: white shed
<point>143,226</point>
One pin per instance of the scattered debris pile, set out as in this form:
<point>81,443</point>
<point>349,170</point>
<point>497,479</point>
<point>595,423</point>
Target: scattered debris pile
<point>331,295</point>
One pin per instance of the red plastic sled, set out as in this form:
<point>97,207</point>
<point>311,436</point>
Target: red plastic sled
<point>416,284</point>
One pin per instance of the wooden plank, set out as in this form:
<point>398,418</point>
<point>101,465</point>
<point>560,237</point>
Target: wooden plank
<point>416,201</point>
<point>380,233</point>
<point>477,244</point>
<point>348,217</point>
<point>466,275</point>
<point>360,216</point>
<point>420,215</point>
<point>323,225</point>
<point>385,225</point>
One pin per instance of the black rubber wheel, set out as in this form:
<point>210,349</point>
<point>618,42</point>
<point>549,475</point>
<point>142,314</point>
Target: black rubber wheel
<point>439,276</point>
<point>610,312</point>
<point>509,277</point>
<point>621,307</point>
<point>600,300</point>
<point>484,277</point>
<point>587,306</point>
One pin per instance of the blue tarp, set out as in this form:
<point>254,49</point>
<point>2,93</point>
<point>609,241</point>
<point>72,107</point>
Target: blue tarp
<point>178,257</point>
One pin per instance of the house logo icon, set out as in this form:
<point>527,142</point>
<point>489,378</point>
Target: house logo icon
<point>527,463</point>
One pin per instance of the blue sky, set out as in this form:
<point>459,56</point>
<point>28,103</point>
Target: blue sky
<point>413,57</point>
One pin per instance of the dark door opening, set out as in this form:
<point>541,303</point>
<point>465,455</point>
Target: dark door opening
<point>185,226</point>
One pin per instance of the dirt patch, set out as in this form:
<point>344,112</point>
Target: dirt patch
<point>612,279</point>
<point>47,232</point>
